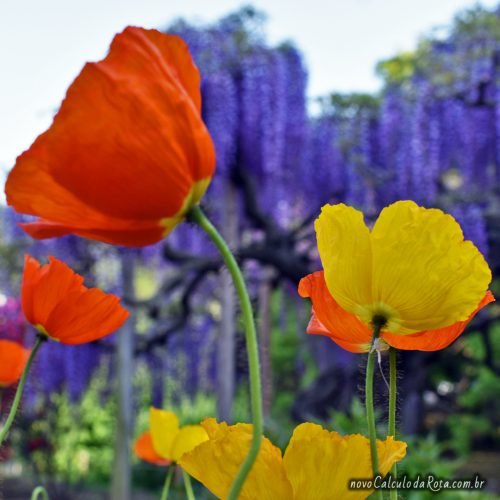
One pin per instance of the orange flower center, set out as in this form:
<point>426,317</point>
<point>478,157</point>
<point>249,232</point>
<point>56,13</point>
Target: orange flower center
<point>42,331</point>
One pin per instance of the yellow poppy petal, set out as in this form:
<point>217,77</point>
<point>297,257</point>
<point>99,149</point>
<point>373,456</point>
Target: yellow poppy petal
<point>164,427</point>
<point>319,462</point>
<point>389,451</point>
<point>189,437</point>
<point>216,462</point>
<point>423,270</point>
<point>344,248</point>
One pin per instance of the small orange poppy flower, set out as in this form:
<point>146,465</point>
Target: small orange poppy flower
<point>349,332</point>
<point>127,154</point>
<point>13,358</point>
<point>59,306</point>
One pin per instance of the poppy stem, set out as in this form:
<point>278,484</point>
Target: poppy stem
<point>196,214</point>
<point>393,494</point>
<point>168,481</point>
<point>20,387</point>
<point>39,491</point>
<point>187,485</point>
<point>370,413</point>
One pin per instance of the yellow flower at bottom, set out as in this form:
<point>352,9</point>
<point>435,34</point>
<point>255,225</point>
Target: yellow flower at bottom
<point>216,462</point>
<point>413,272</point>
<point>166,441</point>
<point>319,462</point>
<point>317,465</point>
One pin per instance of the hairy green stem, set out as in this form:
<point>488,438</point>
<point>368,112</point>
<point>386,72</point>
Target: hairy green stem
<point>370,412</point>
<point>393,495</point>
<point>187,485</point>
<point>20,388</point>
<point>39,491</point>
<point>197,215</point>
<point>168,481</point>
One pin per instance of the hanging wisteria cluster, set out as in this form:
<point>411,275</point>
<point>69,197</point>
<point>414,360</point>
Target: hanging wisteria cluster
<point>433,137</point>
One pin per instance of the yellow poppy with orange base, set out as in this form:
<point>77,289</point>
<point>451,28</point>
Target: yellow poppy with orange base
<point>413,272</point>
<point>166,441</point>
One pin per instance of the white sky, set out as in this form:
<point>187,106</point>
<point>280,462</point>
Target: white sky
<point>44,44</point>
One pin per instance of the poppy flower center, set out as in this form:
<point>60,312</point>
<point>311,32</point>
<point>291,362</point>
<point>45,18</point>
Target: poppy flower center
<point>379,321</point>
<point>44,333</point>
<point>380,315</point>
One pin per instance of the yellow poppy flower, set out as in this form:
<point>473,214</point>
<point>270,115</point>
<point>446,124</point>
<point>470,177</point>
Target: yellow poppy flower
<point>166,441</point>
<point>317,464</point>
<point>412,272</point>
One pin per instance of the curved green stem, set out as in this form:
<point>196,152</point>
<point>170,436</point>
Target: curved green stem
<point>393,494</point>
<point>39,491</point>
<point>370,412</point>
<point>200,218</point>
<point>20,388</point>
<point>168,481</point>
<point>187,485</point>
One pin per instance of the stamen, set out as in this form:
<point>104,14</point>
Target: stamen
<point>379,359</point>
<point>380,345</point>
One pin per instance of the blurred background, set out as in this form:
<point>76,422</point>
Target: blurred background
<point>362,102</point>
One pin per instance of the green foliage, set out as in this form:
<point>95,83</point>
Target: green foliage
<point>286,345</point>
<point>353,421</point>
<point>424,456</point>
<point>465,428</point>
<point>80,436</point>
<point>482,387</point>
<point>476,420</point>
<point>477,24</point>
<point>428,455</point>
<point>477,20</point>
<point>348,106</point>
<point>398,69</point>
<point>425,451</point>
<point>293,366</point>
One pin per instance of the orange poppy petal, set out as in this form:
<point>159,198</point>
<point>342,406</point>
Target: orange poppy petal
<point>134,236</point>
<point>330,319</point>
<point>42,229</point>
<point>86,315</point>
<point>434,340</point>
<point>13,358</point>
<point>176,52</point>
<point>125,148</point>
<point>55,299</point>
<point>143,448</point>
<point>315,327</point>
<point>31,189</point>
<point>45,286</point>
<point>30,276</point>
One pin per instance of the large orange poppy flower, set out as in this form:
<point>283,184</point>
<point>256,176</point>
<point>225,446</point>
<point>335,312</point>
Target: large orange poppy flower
<point>13,358</point>
<point>127,154</point>
<point>59,306</point>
